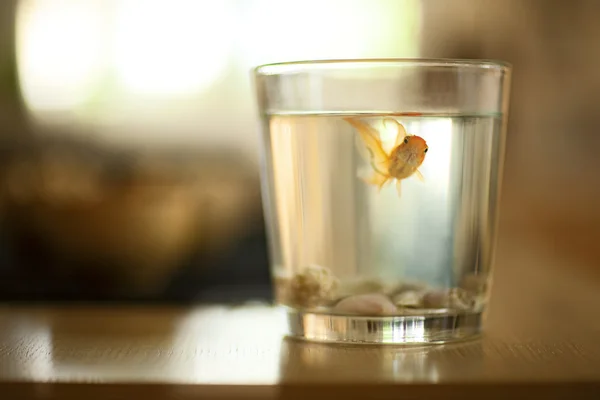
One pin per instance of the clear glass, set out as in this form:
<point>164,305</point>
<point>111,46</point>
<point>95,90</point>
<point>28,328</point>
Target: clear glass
<point>381,182</point>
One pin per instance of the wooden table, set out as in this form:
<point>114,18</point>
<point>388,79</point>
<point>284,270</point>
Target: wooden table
<point>542,338</point>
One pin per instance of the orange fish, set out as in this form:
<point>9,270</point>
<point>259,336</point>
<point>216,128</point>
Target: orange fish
<point>401,162</point>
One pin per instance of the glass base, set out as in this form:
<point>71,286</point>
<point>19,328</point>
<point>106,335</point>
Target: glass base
<point>423,329</point>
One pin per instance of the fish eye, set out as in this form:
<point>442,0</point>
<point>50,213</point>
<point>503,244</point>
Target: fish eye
<point>406,140</point>
<point>426,149</point>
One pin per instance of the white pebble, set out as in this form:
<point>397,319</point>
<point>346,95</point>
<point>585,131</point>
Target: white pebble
<point>312,286</point>
<point>409,299</point>
<point>366,304</point>
<point>436,299</point>
<point>453,298</point>
<point>409,286</point>
<point>461,299</point>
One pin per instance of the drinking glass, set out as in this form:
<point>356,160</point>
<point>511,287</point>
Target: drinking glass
<point>380,182</point>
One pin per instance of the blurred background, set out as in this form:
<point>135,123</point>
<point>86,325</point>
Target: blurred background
<point>129,135</point>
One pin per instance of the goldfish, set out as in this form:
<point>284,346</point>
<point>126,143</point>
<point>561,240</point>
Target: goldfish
<point>400,163</point>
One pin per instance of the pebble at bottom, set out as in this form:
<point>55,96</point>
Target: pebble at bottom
<point>316,289</point>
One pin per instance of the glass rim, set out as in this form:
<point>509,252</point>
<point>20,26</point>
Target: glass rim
<point>281,68</point>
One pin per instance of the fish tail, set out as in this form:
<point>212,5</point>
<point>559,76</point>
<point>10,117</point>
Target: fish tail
<point>376,155</point>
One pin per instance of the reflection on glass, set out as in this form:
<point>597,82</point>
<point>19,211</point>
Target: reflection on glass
<point>314,362</point>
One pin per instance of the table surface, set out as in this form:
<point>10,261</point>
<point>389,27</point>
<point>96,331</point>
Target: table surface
<point>541,336</point>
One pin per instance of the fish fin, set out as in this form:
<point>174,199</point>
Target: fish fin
<point>399,187</point>
<point>374,178</point>
<point>365,174</point>
<point>382,181</point>
<point>419,175</point>
<point>400,131</point>
<point>362,149</point>
<point>377,156</point>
